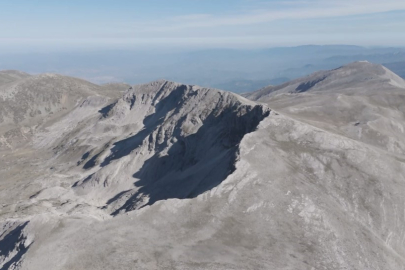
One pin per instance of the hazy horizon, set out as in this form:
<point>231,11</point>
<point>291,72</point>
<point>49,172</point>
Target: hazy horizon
<point>234,45</point>
<point>237,70</point>
<point>46,25</point>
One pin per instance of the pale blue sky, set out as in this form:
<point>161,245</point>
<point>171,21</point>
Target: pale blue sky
<point>77,24</point>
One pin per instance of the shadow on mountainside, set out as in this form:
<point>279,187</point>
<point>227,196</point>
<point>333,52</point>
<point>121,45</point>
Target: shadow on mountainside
<point>151,122</point>
<point>194,164</point>
<point>183,165</point>
<point>14,241</point>
<point>304,87</point>
<point>125,147</point>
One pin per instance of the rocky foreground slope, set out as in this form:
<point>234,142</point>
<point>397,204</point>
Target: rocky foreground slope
<point>171,176</point>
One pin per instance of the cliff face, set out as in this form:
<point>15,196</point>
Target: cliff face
<point>174,141</point>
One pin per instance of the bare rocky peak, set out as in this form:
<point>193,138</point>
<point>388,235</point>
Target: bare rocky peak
<point>174,141</point>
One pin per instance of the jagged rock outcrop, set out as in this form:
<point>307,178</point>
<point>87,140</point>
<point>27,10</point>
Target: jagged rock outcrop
<point>174,141</point>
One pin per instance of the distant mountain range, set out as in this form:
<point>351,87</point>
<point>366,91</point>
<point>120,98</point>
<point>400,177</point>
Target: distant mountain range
<point>228,69</point>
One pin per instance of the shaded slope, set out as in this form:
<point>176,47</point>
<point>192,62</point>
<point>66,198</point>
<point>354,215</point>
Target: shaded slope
<point>13,246</point>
